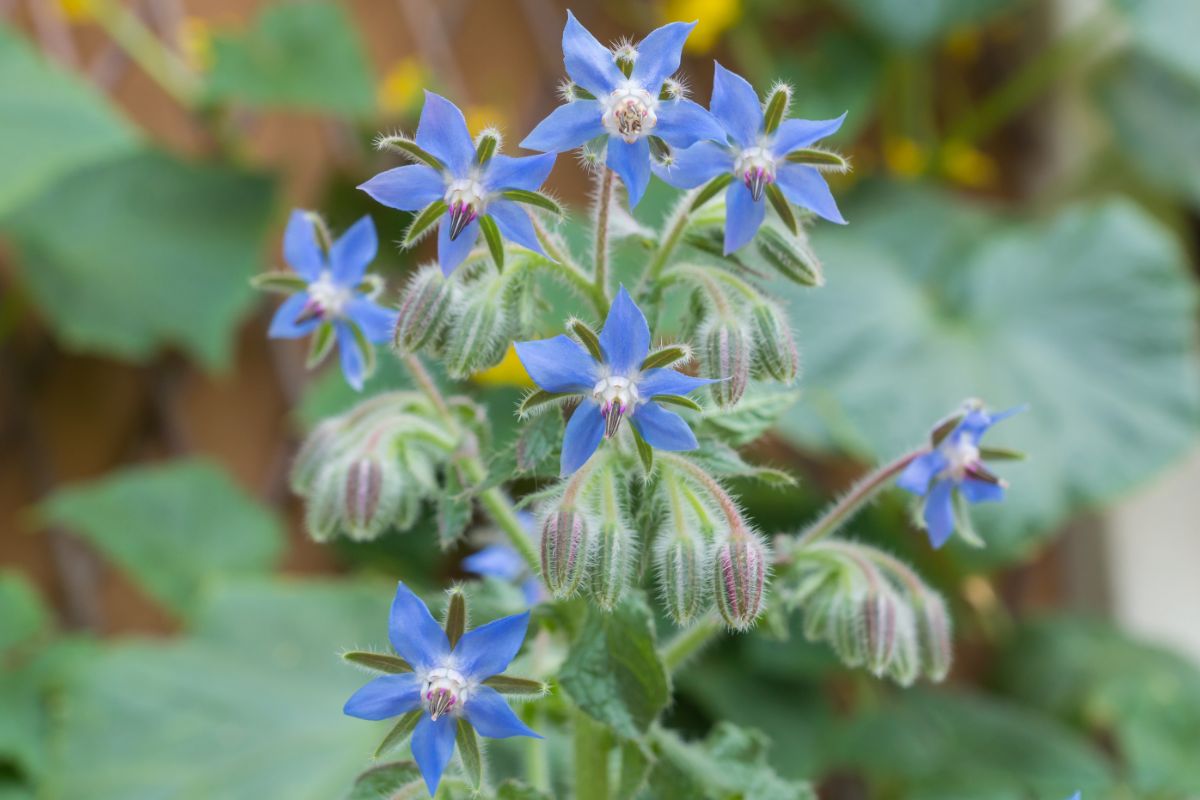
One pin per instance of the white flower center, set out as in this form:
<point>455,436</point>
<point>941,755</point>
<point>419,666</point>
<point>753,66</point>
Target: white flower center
<point>617,396</point>
<point>756,166</point>
<point>326,299</point>
<point>465,199</point>
<point>629,112</point>
<point>445,691</point>
<point>961,454</point>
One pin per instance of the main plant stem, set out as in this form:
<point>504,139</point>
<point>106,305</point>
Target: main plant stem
<point>592,744</point>
<point>688,642</point>
<point>494,501</point>
<point>604,202</point>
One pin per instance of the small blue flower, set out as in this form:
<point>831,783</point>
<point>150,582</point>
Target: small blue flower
<point>756,159</point>
<point>625,109</point>
<point>612,388</point>
<point>446,684</point>
<point>1076,796</point>
<point>336,292</point>
<point>470,189</point>
<point>954,465</point>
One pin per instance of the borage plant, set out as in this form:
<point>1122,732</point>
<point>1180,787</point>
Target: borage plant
<point>628,440</point>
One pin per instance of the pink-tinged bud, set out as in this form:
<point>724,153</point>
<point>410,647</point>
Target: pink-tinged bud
<point>422,312</point>
<point>322,510</point>
<point>934,636</point>
<point>564,552</point>
<point>370,496</point>
<point>905,665</point>
<point>681,566</point>
<point>478,336</point>
<point>775,353</point>
<point>726,358</point>
<point>879,623</point>
<point>740,573</point>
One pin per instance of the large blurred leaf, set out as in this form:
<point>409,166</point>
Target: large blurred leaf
<point>1155,115</point>
<point>21,609</point>
<point>50,123</point>
<point>131,255</point>
<point>731,763</point>
<point>1144,699</point>
<point>917,23</point>
<point>23,622</point>
<point>173,528</point>
<point>297,55</point>
<point>1088,317</point>
<point>250,707</point>
<point>1168,30</point>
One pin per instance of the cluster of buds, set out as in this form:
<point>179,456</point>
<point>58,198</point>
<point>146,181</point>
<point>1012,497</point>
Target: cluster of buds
<point>424,310</point>
<point>759,344</point>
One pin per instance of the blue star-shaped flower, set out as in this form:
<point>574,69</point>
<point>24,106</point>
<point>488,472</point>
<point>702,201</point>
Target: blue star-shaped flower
<point>611,388</point>
<point>755,158</point>
<point>446,683</point>
<point>626,109</point>
<point>470,189</point>
<point>334,293</point>
<point>954,465</point>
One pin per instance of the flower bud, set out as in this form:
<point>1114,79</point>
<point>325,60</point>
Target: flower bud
<point>323,512</point>
<point>316,452</point>
<point>775,352</point>
<point>477,337</point>
<point>371,491</point>
<point>740,572</point>
<point>681,564</point>
<point>422,312</point>
<point>905,665</point>
<point>934,636</point>
<point>879,612</point>
<point>789,254</point>
<point>727,358</point>
<point>610,568</point>
<point>844,629</point>
<point>564,552</point>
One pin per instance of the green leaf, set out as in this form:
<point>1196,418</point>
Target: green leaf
<point>634,769</point>
<point>247,707</point>
<point>159,253</point>
<point>378,662</point>
<point>453,510</point>
<point>1168,31</point>
<point>731,762</point>
<point>1097,296</point>
<point>756,414</point>
<point>491,235</point>
<point>173,528</point>
<point>536,199</point>
<point>723,461</point>
<point>613,672</point>
<point>51,123</point>
<point>296,55</point>
<point>515,790</point>
<point>537,445</point>
<point>24,615</point>
<point>385,780</point>
<point>468,751</point>
<point>914,26</point>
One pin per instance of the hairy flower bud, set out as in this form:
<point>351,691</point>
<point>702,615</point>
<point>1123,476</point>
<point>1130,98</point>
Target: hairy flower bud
<point>422,312</point>
<point>879,621</point>
<point>371,489</point>
<point>775,352</point>
<point>934,636</point>
<point>610,568</point>
<point>323,511</point>
<point>905,664</point>
<point>316,452</point>
<point>844,628</point>
<point>681,565</point>
<point>726,350</point>
<point>564,552</point>
<point>740,575</point>
<point>789,254</point>
<point>477,338</point>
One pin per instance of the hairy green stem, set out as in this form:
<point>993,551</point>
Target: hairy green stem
<point>592,745</point>
<point>142,46</point>
<point>561,263</point>
<point>690,641</point>
<point>650,282</point>
<point>604,203</point>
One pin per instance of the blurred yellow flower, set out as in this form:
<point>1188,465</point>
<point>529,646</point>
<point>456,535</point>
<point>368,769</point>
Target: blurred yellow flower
<point>483,116</point>
<point>904,157</point>
<point>968,166</point>
<point>963,44</point>
<point>76,10</point>
<point>509,372</point>
<point>196,40</point>
<point>401,87</point>
<point>715,16</point>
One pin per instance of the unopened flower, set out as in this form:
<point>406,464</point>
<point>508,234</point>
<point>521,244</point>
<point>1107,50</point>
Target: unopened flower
<point>470,182</point>
<point>624,102</point>
<point>612,386</point>
<point>334,293</point>
<point>448,683</point>
<point>955,468</point>
<point>758,156</point>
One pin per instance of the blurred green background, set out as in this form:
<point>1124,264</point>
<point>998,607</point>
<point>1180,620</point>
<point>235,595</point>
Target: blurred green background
<point>1024,228</point>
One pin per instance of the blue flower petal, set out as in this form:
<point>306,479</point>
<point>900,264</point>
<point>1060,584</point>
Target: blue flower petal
<point>451,253</point>
<point>532,589</point>
<point>794,133</point>
<point>589,63</point>
<point>567,127</point>
<point>921,470</point>
<point>736,106</point>
<point>488,650</point>
<point>432,747</point>
<point>488,712</point>
<point>495,561</point>
<point>353,252</point>
<point>376,322</point>
<point>526,172</point>
<point>407,188</point>
<point>584,431</point>
<point>743,216</point>
<point>977,421</point>
<point>558,365</point>
<point>668,381</point>
<point>354,362</point>
<point>301,250</point>
<point>939,513</point>
<point>415,635</point>
<point>659,53</point>
<point>386,696</point>
<point>696,165</point>
<point>662,429</point>
<point>283,324</point>
<point>977,491</point>
<point>682,123</point>
<point>805,187</point>
<point>513,221</point>
<point>443,132</point>
<point>625,337</point>
<point>632,163</point>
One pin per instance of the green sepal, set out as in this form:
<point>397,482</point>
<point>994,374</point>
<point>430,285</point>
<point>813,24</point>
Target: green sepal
<point>536,399</point>
<point>660,151</point>
<point>379,662</point>
<point>423,221</point>
<point>678,400</point>
<point>777,105</point>
<point>491,234</point>
<point>710,189</point>
<point>365,347</point>
<point>962,521</point>
<point>665,357</point>
<point>645,451</point>
<point>399,734</point>
<point>816,157</point>
<point>581,93</point>
<point>320,345</point>
<point>782,207</point>
<point>1000,454</point>
<point>486,149</point>
<point>532,198</point>
<point>407,147</point>
<point>507,684</point>
<point>279,282</point>
<point>456,617</point>
<point>468,751</point>
<point>588,338</point>
<point>944,428</point>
